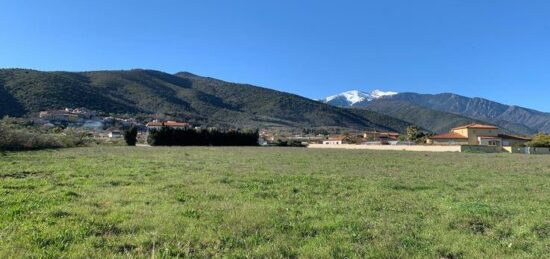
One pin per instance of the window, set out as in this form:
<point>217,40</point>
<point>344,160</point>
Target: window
<point>494,143</point>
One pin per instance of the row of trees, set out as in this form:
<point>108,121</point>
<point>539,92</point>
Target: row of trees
<point>166,136</point>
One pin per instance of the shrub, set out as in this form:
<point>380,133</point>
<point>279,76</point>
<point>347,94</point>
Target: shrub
<point>21,135</point>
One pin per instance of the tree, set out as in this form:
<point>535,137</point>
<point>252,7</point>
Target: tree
<point>540,140</point>
<point>416,135</point>
<point>412,133</point>
<point>130,136</point>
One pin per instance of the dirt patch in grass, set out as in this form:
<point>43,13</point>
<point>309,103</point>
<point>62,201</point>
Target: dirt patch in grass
<point>126,248</point>
<point>446,254</point>
<point>542,230</point>
<point>72,194</point>
<point>478,226</point>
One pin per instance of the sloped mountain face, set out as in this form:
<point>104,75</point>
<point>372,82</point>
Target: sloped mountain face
<point>186,96</point>
<point>515,118</point>
<point>274,107</point>
<point>447,102</point>
<point>441,112</point>
<point>355,98</point>
<point>430,119</point>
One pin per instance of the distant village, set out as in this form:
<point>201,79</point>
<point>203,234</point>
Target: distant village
<point>101,127</point>
<point>475,137</point>
<point>110,128</point>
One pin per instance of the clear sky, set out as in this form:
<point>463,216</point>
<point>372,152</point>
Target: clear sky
<point>497,49</point>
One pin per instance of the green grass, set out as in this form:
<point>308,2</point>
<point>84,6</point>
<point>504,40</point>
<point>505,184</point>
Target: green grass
<point>272,202</point>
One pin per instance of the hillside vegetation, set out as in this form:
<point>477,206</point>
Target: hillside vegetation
<point>184,95</point>
<point>106,202</point>
<point>20,134</point>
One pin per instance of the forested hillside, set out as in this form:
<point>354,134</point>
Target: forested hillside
<point>184,95</point>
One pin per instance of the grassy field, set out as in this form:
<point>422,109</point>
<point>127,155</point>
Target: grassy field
<point>272,202</point>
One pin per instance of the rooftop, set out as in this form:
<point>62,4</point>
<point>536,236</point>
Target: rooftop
<point>476,126</point>
<point>451,135</point>
<point>506,136</point>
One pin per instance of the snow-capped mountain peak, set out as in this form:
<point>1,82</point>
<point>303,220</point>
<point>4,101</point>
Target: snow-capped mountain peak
<point>353,97</point>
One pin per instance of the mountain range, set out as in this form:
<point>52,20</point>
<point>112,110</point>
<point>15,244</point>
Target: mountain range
<point>440,112</point>
<point>207,101</point>
<point>185,96</point>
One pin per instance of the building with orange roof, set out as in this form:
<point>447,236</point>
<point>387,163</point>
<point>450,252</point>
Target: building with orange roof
<point>476,134</point>
<point>475,130</point>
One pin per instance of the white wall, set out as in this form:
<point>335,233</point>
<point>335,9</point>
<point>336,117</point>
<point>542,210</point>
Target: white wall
<point>431,148</point>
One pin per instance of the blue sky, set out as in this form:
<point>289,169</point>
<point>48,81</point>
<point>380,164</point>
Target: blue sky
<point>495,49</point>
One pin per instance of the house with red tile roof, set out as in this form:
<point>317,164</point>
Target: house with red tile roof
<point>476,134</point>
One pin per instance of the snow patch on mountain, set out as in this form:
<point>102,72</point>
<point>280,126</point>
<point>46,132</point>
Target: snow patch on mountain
<point>378,94</point>
<point>355,96</point>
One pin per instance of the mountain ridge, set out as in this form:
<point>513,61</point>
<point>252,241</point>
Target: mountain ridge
<point>453,107</point>
<point>201,100</point>
<point>481,109</point>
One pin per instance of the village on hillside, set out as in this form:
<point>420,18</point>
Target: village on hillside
<point>473,137</point>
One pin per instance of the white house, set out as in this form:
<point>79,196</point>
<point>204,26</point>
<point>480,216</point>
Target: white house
<point>334,141</point>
